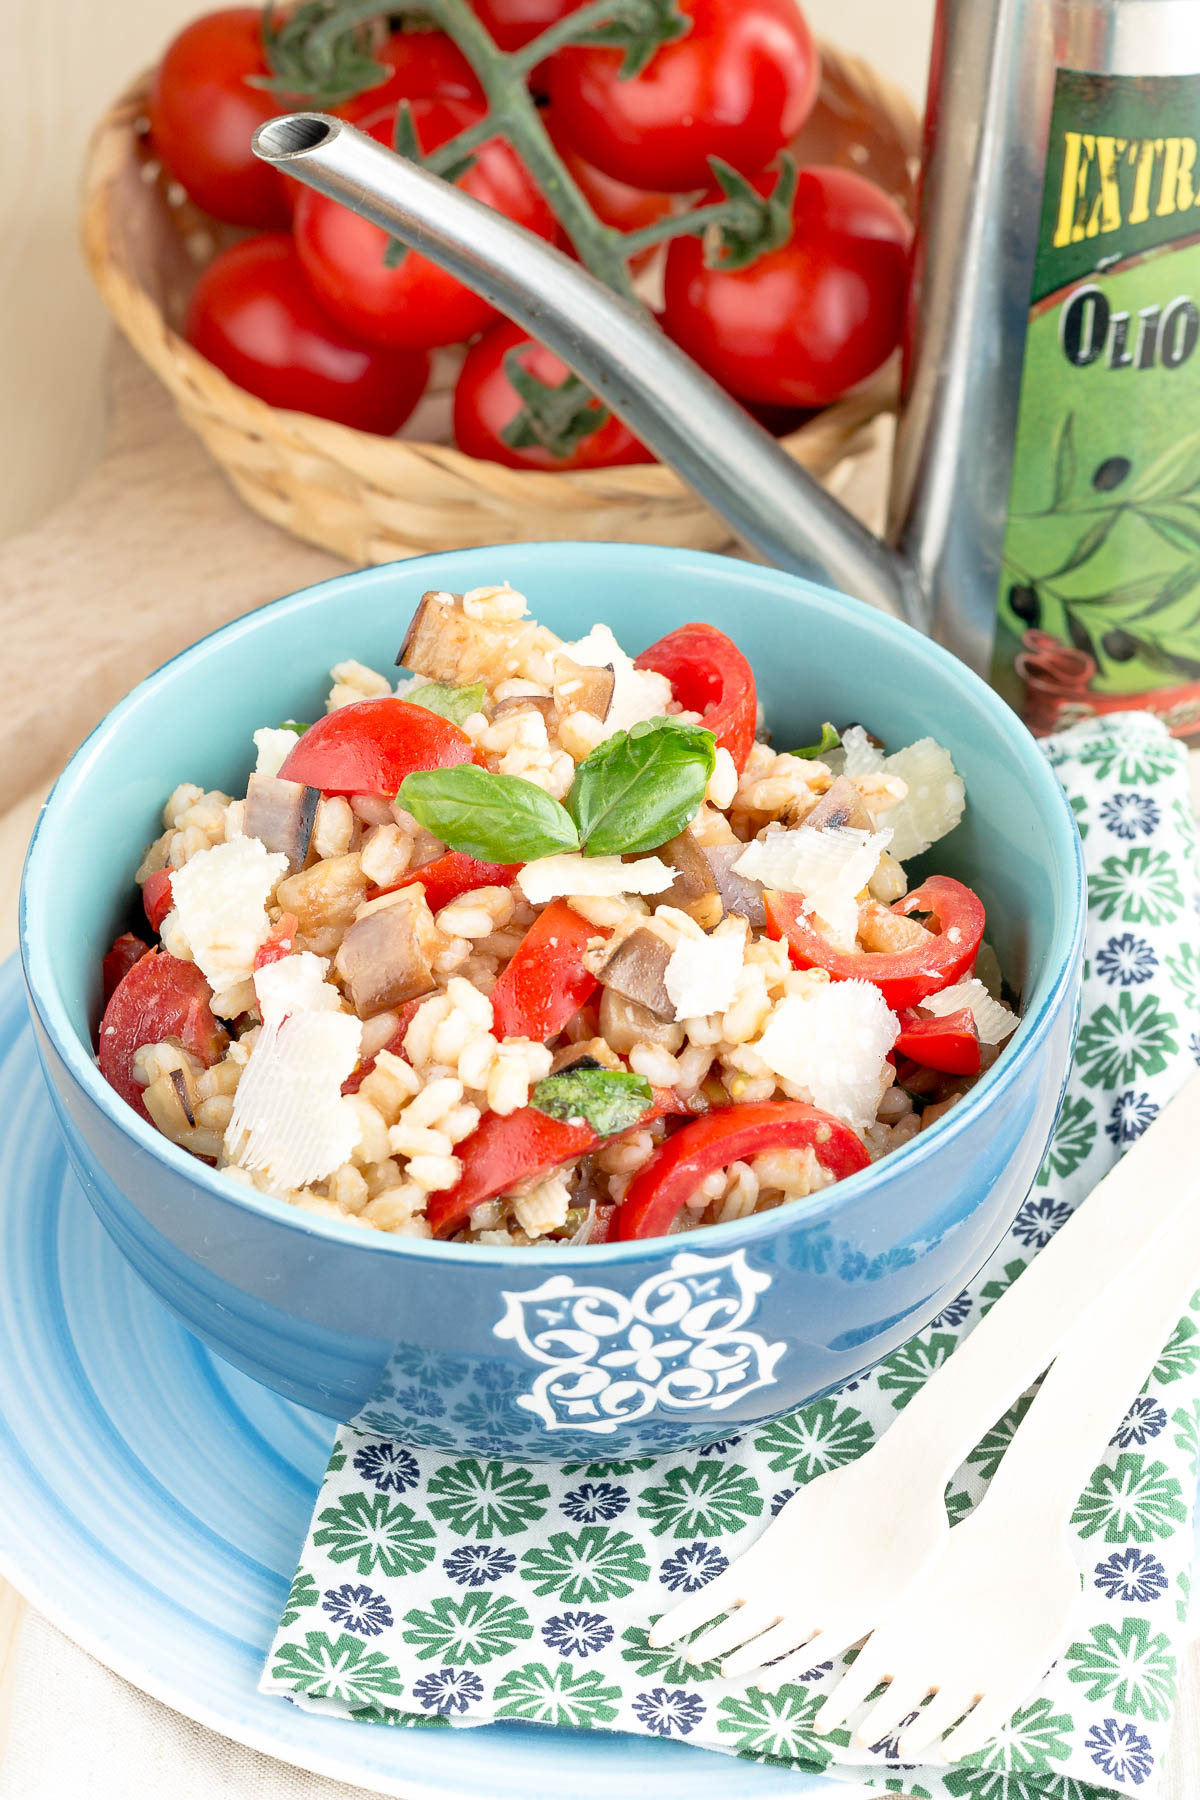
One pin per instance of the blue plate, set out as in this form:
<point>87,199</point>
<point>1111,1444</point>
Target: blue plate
<point>155,1501</point>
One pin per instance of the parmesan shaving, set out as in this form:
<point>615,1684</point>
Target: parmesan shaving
<point>832,1043</point>
<point>702,975</point>
<point>829,868</point>
<point>290,1120</point>
<point>295,984</point>
<point>552,877</point>
<point>935,800</point>
<point>274,747</point>
<point>993,1021</point>
<point>637,693</point>
<point>220,907</point>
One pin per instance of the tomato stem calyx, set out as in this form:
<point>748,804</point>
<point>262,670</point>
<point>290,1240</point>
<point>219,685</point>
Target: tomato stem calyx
<point>559,418</point>
<point>322,68</point>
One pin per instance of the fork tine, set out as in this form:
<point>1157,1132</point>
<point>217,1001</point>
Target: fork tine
<point>981,1723</point>
<point>863,1676</point>
<point>904,1696</point>
<point>777,1640</point>
<point>947,1705</point>
<point>698,1609</point>
<point>744,1622</point>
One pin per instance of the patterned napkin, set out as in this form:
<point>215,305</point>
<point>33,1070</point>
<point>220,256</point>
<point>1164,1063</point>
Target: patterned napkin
<point>437,1590</point>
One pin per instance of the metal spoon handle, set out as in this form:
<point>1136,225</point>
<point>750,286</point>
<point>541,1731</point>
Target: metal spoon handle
<point>684,417</point>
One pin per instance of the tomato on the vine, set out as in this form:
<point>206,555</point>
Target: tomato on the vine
<point>422,65</point>
<point>253,315</point>
<point>614,203</point>
<point>412,303</point>
<point>515,23</point>
<point>804,322</point>
<point>486,403</point>
<point>203,112</point>
<point>737,86</point>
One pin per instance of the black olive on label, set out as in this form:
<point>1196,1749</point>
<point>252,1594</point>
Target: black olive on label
<point>1119,645</point>
<point>1025,603</point>
<point>1111,473</point>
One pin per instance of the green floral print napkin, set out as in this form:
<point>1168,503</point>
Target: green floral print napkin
<point>437,1589</point>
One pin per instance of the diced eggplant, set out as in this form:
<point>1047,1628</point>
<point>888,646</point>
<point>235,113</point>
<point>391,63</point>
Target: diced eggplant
<point>694,889</point>
<point>580,688</point>
<point>444,644</point>
<point>740,894</point>
<point>625,1023</point>
<point>636,968</point>
<point>592,1053</point>
<point>382,958</point>
<point>841,804</point>
<point>280,814</point>
<point>529,702</point>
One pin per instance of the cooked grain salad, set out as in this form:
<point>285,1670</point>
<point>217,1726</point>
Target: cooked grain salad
<point>543,944</point>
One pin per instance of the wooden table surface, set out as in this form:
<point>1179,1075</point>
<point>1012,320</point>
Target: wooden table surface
<point>108,508</point>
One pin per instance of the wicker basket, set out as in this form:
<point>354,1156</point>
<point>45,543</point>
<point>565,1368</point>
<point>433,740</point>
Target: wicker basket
<point>369,498</point>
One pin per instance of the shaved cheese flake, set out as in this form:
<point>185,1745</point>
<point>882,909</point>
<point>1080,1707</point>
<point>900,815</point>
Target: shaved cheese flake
<point>637,693</point>
<point>552,877</point>
<point>993,1021</point>
<point>702,975</point>
<point>859,756</point>
<point>290,1120</point>
<point>220,903</point>
<point>935,800</point>
<point>832,1043</point>
<point>274,747</point>
<point>295,984</point>
<point>829,868</point>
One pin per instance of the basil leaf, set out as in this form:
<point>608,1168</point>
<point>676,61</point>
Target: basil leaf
<point>292,725</point>
<point>830,739</point>
<point>498,818</point>
<point>611,1100</point>
<point>449,702</point>
<point>641,787</point>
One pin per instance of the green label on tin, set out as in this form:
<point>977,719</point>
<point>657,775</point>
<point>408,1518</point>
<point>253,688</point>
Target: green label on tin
<point>1099,606</point>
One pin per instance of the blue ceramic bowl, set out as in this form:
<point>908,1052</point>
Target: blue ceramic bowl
<point>587,1353</point>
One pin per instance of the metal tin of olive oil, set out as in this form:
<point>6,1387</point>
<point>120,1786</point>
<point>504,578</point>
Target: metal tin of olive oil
<point>1099,601</point>
<point>1046,484</point>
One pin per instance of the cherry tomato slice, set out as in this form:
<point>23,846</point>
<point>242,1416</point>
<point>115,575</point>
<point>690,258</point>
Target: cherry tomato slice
<point>949,1044</point>
<point>903,977</point>
<point>159,998</point>
<point>712,677</point>
<point>126,951</point>
<point>664,1185</point>
<point>371,745</point>
<point>453,874</point>
<point>279,941</point>
<point>395,1045</point>
<point>156,897</point>
<point>545,982</point>
<point>505,1149</point>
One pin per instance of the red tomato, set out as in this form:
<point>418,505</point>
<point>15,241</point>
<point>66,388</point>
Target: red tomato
<point>423,65</point>
<point>371,745</point>
<point>663,1185</point>
<point>949,1044</point>
<point>156,897</point>
<point>485,401</point>
<point>203,113</point>
<point>614,202</point>
<point>737,86</point>
<point>515,23</point>
<point>159,998</point>
<point>903,977</point>
<point>253,315</point>
<point>278,943</point>
<point>453,874</point>
<point>545,983</point>
<point>416,304</point>
<point>126,951</point>
<point>710,676</point>
<point>805,322</point>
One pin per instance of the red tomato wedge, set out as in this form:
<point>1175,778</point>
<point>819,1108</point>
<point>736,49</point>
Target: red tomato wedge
<point>371,745</point>
<point>949,1044</point>
<point>545,983</point>
<point>903,977</point>
<point>395,1045</point>
<point>126,951</point>
<point>454,874</point>
<point>279,941</point>
<point>156,897</point>
<point>503,1150</point>
<point>665,1184</point>
<point>712,677</point>
<point>159,998</point>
